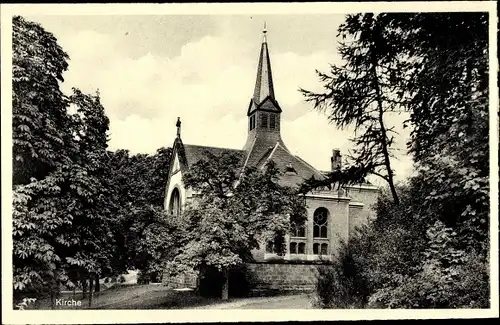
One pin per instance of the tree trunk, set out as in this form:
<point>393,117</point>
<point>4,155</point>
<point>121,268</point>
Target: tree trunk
<point>385,149</point>
<point>84,288</point>
<point>52,299</point>
<point>91,286</point>
<point>225,285</point>
<point>97,284</point>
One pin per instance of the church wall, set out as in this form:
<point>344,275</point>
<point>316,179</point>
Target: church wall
<point>367,196</point>
<point>338,221</point>
<point>175,181</point>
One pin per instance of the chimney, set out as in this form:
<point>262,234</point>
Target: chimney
<point>336,160</point>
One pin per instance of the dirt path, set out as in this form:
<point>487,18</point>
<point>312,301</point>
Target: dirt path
<point>281,302</point>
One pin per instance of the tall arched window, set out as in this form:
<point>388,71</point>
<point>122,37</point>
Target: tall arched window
<point>320,228</point>
<point>174,207</point>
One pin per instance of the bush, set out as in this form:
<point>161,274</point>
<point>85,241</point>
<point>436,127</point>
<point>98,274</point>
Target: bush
<point>343,283</point>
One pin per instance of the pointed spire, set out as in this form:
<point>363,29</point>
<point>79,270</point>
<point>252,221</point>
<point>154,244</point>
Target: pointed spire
<point>264,83</point>
<point>178,125</point>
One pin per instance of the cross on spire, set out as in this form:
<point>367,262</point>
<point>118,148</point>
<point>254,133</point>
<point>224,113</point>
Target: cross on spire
<point>178,125</point>
<point>264,32</point>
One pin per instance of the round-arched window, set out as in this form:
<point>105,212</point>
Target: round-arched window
<point>174,207</point>
<point>320,229</point>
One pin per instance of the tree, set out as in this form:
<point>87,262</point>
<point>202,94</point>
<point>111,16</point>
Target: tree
<point>140,182</point>
<point>41,150</point>
<point>431,250</point>
<point>96,254</point>
<point>449,112</point>
<point>232,215</point>
<point>63,203</point>
<point>39,118</point>
<point>363,92</point>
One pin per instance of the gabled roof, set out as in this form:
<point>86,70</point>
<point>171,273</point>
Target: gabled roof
<point>194,153</point>
<point>267,104</point>
<point>284,161</point>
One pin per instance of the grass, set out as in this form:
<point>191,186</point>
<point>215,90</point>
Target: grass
<point>148,296</point>
<point>154,296</point>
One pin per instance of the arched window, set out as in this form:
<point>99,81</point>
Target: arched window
<point>320,228</point>
<point>174,207</point>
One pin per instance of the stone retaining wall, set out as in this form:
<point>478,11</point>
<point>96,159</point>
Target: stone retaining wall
<point>187,280</point>
<point>281,278</point>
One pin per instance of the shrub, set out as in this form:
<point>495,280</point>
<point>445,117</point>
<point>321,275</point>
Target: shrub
<point>343,282</point>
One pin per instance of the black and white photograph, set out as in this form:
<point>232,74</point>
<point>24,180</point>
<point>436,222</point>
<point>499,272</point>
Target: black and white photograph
<point>309,159</point>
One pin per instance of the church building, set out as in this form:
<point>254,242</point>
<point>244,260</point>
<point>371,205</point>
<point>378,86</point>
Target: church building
<point>332,214</point>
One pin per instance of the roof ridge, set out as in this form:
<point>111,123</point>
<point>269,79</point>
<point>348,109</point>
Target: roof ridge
<point>249,153</point>
<point>270,155</point>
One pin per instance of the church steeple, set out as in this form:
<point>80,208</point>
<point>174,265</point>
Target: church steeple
<point>264,112</point>
<point>264,83</point>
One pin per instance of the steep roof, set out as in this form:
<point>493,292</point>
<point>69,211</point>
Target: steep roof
<point>194,153</point>
<point>295,169</point>
<point>264,83</point>
<point>190,154</point>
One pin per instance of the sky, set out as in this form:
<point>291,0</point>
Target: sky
<point>202,68</point>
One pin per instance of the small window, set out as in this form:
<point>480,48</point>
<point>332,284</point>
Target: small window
<point>324,249</point>
<point>252,122</point>
<point>263,120</point>
<point>316,248</point>
<point>272,121</point>
<point>302,248</point>
<point>293,248</point>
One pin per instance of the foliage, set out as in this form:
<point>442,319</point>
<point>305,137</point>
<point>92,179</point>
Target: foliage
<point>64,203</point>
<point>39,118</point>
<point>140,184</point>
<point>234,212</point>
<point>431,251</point>
<point>362,93</point>
<point>449,106</point>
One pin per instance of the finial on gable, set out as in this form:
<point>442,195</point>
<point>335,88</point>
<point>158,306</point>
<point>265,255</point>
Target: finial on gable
<point>178,125</point>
